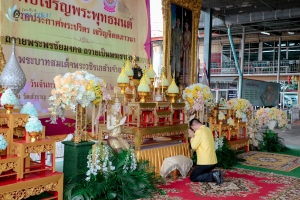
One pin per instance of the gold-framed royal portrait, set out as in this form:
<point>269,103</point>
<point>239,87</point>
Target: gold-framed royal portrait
<point>180,37</point>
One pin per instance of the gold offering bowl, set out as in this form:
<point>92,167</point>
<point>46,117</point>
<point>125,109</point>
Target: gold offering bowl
<point>33,136</point>
<point>8,108</point>
<point>143,95</point>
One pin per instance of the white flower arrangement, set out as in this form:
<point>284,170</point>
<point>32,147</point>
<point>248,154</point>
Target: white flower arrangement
<point>221,116</point>
<point>132,165</point>
<point>198,96</point>
<point>76,88</point>
<point>219,142</point>
<point>3,143</point>
<point>33,125</point>
<point>29,109</point>
<point>239,114</point>
<point>241,105</point>
<point>230,121</point>
<point>101,162</point>
<point>8,97</point>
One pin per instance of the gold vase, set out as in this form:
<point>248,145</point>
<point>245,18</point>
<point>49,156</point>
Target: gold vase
<point>33,136</point>
<point>8,108</point>
<point>143,95</point>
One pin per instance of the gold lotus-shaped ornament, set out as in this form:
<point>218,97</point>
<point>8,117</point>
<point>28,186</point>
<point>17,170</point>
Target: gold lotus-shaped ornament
<point>123,80</point>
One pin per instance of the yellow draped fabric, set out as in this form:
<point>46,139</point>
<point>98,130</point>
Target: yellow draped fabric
<point>156,156</point>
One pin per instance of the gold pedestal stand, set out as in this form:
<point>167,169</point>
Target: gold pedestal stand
<point>122,86</point>
<point>143,95</point>
<point>172,95</point>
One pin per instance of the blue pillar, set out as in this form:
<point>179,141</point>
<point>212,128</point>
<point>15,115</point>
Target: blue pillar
<point>207,40</point>
<point>237,66</point>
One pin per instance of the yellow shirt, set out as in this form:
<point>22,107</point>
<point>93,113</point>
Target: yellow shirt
<point>203,143</point>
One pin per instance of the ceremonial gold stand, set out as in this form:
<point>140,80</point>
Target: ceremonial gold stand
<point>15,162</point>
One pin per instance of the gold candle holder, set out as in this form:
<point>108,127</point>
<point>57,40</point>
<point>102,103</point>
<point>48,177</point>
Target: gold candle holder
<point>143,95</point>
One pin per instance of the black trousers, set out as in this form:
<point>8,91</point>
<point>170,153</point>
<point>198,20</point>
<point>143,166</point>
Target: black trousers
<point>202,173</point>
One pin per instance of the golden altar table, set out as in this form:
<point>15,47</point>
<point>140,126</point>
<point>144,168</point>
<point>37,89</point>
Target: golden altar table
<point>145,136</point>
<point>147,143</point>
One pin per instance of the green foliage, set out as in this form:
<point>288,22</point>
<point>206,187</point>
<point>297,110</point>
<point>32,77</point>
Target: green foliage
<point>271,142</point>
<point>227,157</point>
<point>118,183</point>
<point>194,158</point>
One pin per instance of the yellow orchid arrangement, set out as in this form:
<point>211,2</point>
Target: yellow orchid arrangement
<point>198,96</point>
<point>265,115</point>
<point>240,106</point>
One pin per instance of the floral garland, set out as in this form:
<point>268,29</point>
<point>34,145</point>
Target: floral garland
<point>198,96</point>
<point>219,142</point>
<point>76,88</point>
<point>241,106</point>
<point>102,162</point>
<point>265,115</point>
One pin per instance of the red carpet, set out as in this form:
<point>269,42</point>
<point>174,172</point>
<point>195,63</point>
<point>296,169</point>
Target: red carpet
<point>238,184</point>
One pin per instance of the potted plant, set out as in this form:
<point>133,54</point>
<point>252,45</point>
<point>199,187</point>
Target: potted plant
<point>29,109</point>
<point>34,128</point>
<point>3,143</point>
<point>9,100</point>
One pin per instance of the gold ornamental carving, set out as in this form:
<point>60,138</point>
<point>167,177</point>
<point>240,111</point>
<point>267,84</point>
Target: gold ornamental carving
<point>70,125</point>
<point>16,151</point>
<point>195,7</point>
<point>28,192</point>
<point>240,145</point>
<point>7,166</point>
<point>4,134</point>
<point>4,121</point>
<point>20,122</point>
<point>58,138</point>
<point>39,149</point>
<point>19,132</point>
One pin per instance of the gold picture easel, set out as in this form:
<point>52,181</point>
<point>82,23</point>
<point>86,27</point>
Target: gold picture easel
<point>194,6</point>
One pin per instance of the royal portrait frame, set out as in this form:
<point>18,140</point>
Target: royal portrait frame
<point>194,6</point>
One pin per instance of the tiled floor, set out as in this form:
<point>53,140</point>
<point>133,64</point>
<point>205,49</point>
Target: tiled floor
<point>290,136</point>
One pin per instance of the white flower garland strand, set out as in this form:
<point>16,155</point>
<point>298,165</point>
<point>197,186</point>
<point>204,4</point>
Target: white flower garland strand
<point>102,163</point>
<point>219,142</point>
